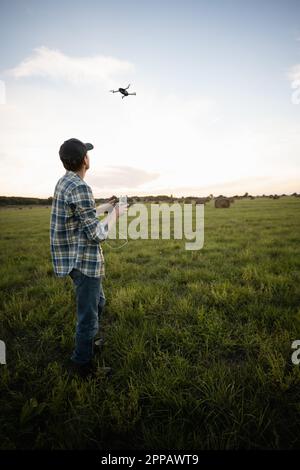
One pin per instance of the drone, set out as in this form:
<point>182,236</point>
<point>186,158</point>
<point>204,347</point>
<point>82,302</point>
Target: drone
<point>123,91</point>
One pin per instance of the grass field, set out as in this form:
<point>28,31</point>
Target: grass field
<point>199,341</point>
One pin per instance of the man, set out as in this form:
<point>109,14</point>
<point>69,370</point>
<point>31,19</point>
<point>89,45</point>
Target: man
<point>75,237</point>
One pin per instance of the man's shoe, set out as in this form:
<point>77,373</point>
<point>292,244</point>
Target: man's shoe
<point>89,369</point>
<point>83,370</point>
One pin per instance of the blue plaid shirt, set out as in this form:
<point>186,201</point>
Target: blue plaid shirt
<point>75,231</point>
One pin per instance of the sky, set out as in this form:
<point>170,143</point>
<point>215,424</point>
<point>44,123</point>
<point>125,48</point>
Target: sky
<point>217,105</point>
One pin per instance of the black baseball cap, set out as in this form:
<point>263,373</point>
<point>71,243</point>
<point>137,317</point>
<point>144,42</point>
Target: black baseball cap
<point>74,148</point>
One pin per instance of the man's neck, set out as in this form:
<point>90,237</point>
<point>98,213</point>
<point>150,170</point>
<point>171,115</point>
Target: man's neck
<point>81,173</point>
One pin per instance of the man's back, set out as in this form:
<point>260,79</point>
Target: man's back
<point>75,231</point>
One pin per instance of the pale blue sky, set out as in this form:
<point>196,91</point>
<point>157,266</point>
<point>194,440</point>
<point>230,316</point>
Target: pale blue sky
<point>232,56</point>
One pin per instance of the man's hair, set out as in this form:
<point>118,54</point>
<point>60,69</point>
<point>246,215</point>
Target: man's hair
<point>73,163</point>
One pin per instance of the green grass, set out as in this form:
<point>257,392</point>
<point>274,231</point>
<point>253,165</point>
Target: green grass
<point>199,341</point>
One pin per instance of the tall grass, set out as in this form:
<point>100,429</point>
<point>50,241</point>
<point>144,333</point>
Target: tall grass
<point>199,341</point>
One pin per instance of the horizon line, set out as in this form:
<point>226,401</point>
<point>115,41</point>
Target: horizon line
<point>246,194</point>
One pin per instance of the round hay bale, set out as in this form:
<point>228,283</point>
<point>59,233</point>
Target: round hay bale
<point>222,203</point>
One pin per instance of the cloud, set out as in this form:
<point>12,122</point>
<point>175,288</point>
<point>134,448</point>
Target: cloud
<point>53,64</point>
<point>120,177</point>
<point>294,74</point>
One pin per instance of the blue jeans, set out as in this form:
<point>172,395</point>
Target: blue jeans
<point>90,300</point>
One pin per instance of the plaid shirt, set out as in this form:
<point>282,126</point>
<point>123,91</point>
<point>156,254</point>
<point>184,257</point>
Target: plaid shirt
<point>75,231</point>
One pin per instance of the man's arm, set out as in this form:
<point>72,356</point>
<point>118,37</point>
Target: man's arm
<point>83,203</point>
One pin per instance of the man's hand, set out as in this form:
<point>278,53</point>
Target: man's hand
<point>113,200</point>
<point>107,206</point>
<point>113,216</point>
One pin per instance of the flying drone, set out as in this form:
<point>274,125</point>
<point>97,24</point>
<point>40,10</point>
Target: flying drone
<point>123,91</point>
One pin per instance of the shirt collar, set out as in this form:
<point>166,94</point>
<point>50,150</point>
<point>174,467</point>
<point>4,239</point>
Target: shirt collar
<point>72,173</point>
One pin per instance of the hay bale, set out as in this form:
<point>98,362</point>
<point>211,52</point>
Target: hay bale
<point>222,203</point>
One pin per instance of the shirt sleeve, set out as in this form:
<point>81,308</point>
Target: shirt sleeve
<point>83,204</point>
